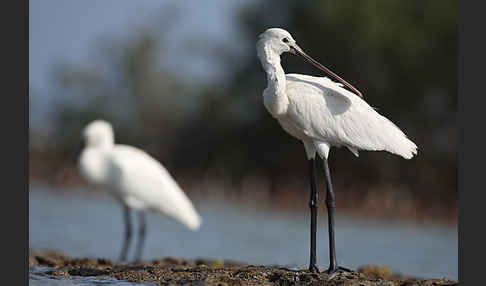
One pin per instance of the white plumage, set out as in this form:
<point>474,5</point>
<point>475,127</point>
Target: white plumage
<point>321,113</point>
<point>133,177</point>
<point>325,111</point>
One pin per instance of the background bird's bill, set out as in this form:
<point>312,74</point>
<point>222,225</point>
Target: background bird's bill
<point>296,50</point>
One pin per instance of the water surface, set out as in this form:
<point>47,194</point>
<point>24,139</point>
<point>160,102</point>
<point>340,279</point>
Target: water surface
<point>88,225</point>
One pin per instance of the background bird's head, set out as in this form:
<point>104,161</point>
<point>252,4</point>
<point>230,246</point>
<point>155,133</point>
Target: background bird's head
<point>98,133</point>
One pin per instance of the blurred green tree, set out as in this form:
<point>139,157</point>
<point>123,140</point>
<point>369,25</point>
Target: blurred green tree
<point>400,54</point>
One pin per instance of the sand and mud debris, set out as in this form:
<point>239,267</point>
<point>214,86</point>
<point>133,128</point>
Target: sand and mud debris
<point>178,271</point>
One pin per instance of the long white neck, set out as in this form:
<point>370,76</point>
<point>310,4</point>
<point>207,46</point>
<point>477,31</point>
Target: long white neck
<point>274,96</point>
<point>93,165</point>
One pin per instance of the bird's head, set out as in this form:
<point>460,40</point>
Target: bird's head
<point>98,133</point>
<point>279,41</point>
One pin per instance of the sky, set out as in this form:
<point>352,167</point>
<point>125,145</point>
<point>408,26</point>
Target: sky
<point>68,31</point>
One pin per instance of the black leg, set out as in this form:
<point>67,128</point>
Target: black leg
<point>141,238</point>
<point>330,216</point>
<point>313,208</point>
<point>128,233</point>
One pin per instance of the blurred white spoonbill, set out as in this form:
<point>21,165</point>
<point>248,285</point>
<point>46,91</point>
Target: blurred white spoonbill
<point>321,113</point>
<point>134,178</point>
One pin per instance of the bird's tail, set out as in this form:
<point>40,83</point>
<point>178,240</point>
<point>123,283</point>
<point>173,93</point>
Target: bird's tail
<point>179,207</point>
<point>191,219</point>
<point>407,149</point>
<point>186,214</point>
<point>397,142</point>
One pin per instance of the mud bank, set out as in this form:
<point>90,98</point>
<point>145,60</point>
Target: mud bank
<point>178,271</point>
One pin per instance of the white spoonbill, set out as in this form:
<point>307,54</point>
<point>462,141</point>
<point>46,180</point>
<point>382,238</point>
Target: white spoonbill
<point>134,178</point>
<point>321,113</point>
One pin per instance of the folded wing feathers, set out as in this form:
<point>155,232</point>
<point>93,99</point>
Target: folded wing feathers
<point>146,180</point>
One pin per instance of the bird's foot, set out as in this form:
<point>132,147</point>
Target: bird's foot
<point>335,269</point>
<point>313,268</point>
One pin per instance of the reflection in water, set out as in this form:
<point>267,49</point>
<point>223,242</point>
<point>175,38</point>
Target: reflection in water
<point>91,226</point>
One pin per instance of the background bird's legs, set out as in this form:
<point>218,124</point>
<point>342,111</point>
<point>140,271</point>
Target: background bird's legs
<point>141,237</point>
<point>330,216</point>
<point>128,233</point>
<point>313,208</point>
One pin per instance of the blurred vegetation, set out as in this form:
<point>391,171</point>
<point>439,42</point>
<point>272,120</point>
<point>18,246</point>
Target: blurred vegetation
<point>400,54</point>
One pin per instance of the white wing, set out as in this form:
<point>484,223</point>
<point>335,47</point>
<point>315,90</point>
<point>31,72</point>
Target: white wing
<point>144,183</point>
<point>326,111</point>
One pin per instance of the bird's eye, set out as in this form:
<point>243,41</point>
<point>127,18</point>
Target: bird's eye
<point>285,40</point>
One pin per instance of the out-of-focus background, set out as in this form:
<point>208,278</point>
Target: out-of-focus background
<point>181,80</point>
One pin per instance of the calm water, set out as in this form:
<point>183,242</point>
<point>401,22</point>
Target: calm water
<point>38,278</point>
<point>88,225</point>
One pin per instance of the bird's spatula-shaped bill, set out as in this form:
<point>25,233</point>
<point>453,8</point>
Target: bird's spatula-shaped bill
<point>298,51</point>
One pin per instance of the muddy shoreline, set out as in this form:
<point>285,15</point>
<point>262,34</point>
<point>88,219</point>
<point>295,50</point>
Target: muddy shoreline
<point>178,271</point>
